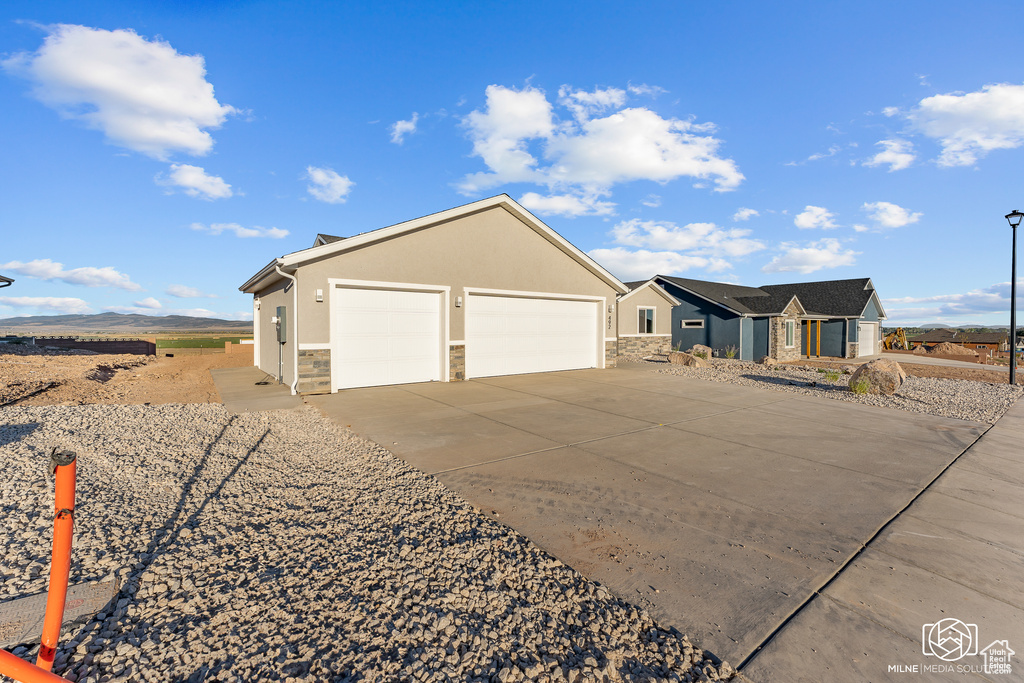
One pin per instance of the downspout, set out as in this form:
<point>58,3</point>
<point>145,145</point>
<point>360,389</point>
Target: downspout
<point>295,323</point>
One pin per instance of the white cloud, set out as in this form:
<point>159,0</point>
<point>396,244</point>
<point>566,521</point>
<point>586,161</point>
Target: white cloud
<point>327,185</point>
<point>45,269</point>
<point>832,151</point>
<point>814,217</point>
<point>566,205</point>
<point>970,125</point>
<point>140,93</point>
<point>644,89</point>
<point>601,144</point>
<point>195,182</point>
<point>859,227</point>
<point>240,231</point>
<point>743,214</point>
<point>641,264</point>
<point>825,253</point>
<point>888,215</point>
<point>992,299</point>
<point>50,304</point>
<point>399,129</point>
<point>585,104</point>
<point>651,200</point>
<point>700,239</point>
<point>149,303</point>
<point>898,154</point>
<point>186,292</point>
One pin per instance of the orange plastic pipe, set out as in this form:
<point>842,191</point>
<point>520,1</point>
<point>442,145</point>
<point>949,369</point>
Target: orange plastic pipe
<point>25,672</point>
<point>60,561</point>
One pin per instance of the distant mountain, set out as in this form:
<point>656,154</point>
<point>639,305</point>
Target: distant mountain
<point>120,322</point>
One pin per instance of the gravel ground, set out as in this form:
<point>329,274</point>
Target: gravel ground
<point>959,399</point>
<point>277,546</point>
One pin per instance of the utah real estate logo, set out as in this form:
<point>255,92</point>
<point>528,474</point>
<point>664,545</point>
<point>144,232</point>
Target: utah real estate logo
<point>951,640</point>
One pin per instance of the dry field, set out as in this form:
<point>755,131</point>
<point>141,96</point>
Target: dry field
<point>42,379</point>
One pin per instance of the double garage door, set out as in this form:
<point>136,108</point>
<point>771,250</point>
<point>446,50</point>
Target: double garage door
<point>391,336</point>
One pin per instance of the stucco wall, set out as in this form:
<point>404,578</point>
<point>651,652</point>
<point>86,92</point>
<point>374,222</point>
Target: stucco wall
<point>492,250</point>
<point>629,317</point>
<point>270,299</point>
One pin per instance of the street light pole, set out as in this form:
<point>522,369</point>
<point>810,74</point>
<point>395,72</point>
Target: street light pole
<point>1014,220</point>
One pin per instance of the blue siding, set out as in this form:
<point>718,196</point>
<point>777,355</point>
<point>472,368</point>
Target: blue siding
<point>871,313</point>
<point>747,334</point>
<point>761,330</point>
<point>832,338</point>
<point>721,327</point>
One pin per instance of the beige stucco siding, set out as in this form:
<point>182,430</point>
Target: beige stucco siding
<point>491,250</point>
<point>629,316</point>
<point>270,299</point>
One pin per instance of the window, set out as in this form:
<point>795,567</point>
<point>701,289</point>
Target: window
<point>694,324</point>
<point>790,334</point>
<point>645,324</point>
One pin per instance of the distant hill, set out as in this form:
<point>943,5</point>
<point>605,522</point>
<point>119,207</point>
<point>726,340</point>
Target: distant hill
<point>120,322</point>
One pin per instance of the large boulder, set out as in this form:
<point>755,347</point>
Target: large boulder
<point>768,360</point>
<point>882,376</point>
<point>700,350</point>
<point>680,358</point>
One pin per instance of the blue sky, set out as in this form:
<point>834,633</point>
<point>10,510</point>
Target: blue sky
<point>155,155</point>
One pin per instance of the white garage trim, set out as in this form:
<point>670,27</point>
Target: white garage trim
<point>442,291</point>
<point>594,306</point>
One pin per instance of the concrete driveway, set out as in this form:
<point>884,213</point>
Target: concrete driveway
<point>720,508</point>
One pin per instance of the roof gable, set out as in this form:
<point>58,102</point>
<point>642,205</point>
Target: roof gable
<point>731,297</point>
<point>833,298</point>
<point>649,284</point>
<point>291,262</point>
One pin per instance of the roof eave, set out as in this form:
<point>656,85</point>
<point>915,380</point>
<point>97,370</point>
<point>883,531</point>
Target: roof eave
<point>699,296</point>
<point>252,285</point>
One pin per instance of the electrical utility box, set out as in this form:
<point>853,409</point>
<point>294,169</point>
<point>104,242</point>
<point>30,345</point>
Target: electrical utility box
<point>282,324</point>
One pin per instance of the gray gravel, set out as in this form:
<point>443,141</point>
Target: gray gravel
<point>956,398</point>
<point>278,546</point>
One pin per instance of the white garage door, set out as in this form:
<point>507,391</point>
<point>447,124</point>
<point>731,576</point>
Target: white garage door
<point>867,339</point>
<point>381,337</point>
<point>512,335</point>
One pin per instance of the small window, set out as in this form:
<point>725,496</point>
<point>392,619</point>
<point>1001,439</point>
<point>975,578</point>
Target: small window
<point>694,324</point>
<point>645,324</point>
<point>790,334</point>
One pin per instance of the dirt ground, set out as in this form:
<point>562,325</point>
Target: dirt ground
<point>981,374</point>
<point>37,379</point>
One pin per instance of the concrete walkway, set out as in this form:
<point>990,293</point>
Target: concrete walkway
<point>241,390</point>
<point>956,552</point>
<point>721,508</point>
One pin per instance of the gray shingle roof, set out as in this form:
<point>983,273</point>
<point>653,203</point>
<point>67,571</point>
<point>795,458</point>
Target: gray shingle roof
<point>326,239</point>
<point>842,298</point>
<point>839,298</point>
<point>734,297</point>
<point>635,284</point>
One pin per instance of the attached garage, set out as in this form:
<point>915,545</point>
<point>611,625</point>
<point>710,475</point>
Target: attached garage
<point>385,336</point>
<point>512,335</point>
<point>867,339</point>
<point>481,290</point>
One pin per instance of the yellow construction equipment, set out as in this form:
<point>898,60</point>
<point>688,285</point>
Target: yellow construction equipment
<point>896,340</point>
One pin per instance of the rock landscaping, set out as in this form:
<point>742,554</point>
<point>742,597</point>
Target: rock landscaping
<point>276,546</point>
<point>882,376</point>
<point>959,399</point>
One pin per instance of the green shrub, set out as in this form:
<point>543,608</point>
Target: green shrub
<point>730,351</point>
<point>860,386</point>
<point>701,354</point>
<point>833,375</point>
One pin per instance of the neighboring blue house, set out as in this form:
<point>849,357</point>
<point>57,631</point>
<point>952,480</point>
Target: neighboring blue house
<point>839,318</point>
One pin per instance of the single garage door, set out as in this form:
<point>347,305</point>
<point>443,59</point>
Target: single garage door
<point>867,339</point>
<point>515,335</point>
<point>382,336</point>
